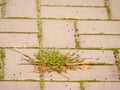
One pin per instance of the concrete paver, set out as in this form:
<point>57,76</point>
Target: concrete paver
<point>74,3</point>
<point>15,68</point>
<point>62,86</point>
<point>63,30</point>
<point>115,8</point>
<point>73,12</point>
<point>18,25</point>
<point>98,27</point>
<point>18,40</point>
<point>94,73</point>
<point>89,41</point>
<point>21,8</point>
<point>19,85</point>
<point>93,56</point>
<point>102,85</point>
<point>0,1</point>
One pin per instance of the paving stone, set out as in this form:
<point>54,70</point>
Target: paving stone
<point>102,86</point>
<point>0,1</point>
<point>58,33</point>
<point>73,2</point>
<point>99,27</point>
<point>95,41</point>
<point>19,85</point>
<point>93,56</point>
<point>21,8</point>
<point>15,68</point>
<point>94,73</point>
<point>18,25</point>
<point>115,8</point>
<point>18,40</point>
<point>62,86</point>
<point>73,12</point>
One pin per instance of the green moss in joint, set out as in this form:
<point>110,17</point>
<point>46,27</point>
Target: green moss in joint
<point>82,85</point>
<point>2,55</point>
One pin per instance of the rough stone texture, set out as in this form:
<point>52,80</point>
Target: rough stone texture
<point>18,40</point>
<point>115,8</point>
<point>58,33</point>
<point>94,41</point>
<point>15,68</point>
<point>93,56</point>
<point>73,12</point>
<point>19,85</point>
<point>99,27</point>
<point>18,25</point>
<point>21,8</point>
<point>62,86</point>
<point>102,86</point>
<point>94,73</point>
<point>119,54</point>
<point>73,2</point>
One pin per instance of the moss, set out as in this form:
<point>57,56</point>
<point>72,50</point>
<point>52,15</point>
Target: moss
<point>82,85</point>
<point>2,56</point>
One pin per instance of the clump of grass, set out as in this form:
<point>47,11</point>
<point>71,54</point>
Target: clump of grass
<point>48,60</point>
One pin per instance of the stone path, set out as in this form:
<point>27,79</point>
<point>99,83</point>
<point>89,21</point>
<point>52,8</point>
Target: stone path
<point>90,26</point>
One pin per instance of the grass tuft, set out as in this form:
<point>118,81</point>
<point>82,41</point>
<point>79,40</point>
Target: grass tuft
<point>49,60</point>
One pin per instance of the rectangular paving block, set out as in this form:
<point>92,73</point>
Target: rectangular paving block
<point>115,8</point>
<point>92,56</point>
<point>62,86</point>
<point>19,85</point>
<point>16,67</point>
<point>73,12</point>
<point>0,1</point>
<point>102,85</point>
<point>58,33</point>
<point>101,41</point>
<point>94,73</point>
<point>21,8</point>
<point>98,27</point>
<point>18,25</point>
<point>18,40</point>
<point>2,55</point>
<point>73,2</point>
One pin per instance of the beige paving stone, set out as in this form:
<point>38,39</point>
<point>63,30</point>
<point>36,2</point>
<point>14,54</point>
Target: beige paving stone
<point>99,27</point>
<point>95,41</point>
<point>58,33</point>
<point>73,12</point>
<point>62,86</point>
<point>19,85</point>
<point>73,2</point>
<point>15,68</point>
<point>93,56</point>
<point>0,1</point>
<point>18,40</point>
<point>94,73</point>
<point>21,8</point>
<point>102,86</point>
<point>18,25</point>
<point>115,8</point>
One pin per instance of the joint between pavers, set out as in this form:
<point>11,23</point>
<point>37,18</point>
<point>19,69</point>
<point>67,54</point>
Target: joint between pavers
<point>108,9</point>
<point>77,40</point>
<point>19,32</point>
<point>2,56</point>
<point>47,5</point>
<point>82,85</point>
<point>3,10</point>
<point>100,34</point>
